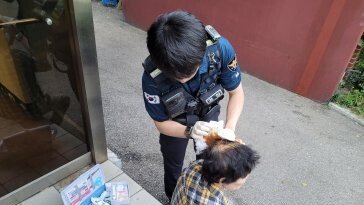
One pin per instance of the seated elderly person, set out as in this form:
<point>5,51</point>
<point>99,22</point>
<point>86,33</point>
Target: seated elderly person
<point>224,164</point>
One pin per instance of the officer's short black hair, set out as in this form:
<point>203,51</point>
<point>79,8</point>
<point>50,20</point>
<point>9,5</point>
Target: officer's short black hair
<point>177,42</point>
<point>229,160</point>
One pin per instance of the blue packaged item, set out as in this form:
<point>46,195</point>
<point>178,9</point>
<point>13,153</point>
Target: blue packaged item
<point>109,2</point>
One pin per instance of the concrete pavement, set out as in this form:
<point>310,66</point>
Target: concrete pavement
<point>310,153</point>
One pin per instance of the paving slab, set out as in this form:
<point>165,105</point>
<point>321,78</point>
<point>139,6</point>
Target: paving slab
<point>110,170</point>
<point>143,197</point>
<point>49,196</point>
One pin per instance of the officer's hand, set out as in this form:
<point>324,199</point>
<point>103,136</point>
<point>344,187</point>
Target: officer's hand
<point>227,134</point>
<point>200,129</point>
<point>224,133</point>
<point>216,125</point>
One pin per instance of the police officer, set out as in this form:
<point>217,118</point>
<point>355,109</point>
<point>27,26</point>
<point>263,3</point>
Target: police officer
<point>189,68</point>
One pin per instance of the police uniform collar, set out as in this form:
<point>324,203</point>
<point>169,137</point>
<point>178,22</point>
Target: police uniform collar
<point>204,65</point>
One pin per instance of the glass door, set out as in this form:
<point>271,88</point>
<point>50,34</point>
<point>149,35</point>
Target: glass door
<point>41,122</point>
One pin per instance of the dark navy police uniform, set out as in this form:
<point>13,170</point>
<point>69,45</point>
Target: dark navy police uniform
<point>172,148</point>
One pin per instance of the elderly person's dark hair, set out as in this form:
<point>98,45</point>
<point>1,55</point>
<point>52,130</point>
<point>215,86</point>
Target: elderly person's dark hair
<point>177,43</point>
<point>227,160</point>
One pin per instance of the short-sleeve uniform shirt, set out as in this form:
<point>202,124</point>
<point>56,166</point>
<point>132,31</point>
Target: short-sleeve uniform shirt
<point>230,79</point>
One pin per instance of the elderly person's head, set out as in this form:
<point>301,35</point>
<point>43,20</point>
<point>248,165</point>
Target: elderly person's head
<point>227,163</point>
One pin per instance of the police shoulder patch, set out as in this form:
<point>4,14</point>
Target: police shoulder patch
<point>152,99</point>
<point>233,64</point>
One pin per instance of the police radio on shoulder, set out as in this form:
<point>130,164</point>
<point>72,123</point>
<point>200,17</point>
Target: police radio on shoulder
<point>212,32</point>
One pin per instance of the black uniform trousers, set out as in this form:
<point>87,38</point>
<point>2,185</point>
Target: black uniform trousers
<point>173,150</point>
